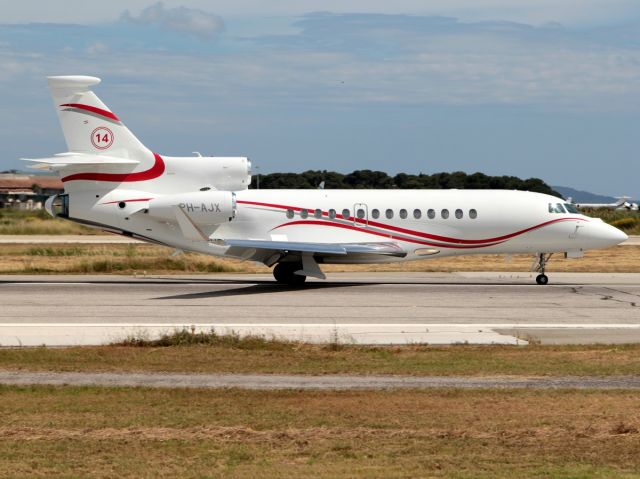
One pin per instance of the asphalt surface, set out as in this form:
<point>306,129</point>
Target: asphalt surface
<point>387,308</point>
<point>370,298</point>
<point>329,382</point>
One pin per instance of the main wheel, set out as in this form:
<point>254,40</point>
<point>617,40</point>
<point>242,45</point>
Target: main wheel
<point>542,279</point>
<point>285,273</point>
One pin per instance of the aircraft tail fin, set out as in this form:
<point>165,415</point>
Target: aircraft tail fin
<point>88,125</point>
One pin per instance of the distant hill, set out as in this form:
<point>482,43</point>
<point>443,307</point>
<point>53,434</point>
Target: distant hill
<point>580,196</point>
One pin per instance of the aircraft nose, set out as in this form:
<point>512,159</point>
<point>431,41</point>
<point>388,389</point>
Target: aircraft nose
<point>617,236</point>
<point>611,235</point>
<point>598,234</point>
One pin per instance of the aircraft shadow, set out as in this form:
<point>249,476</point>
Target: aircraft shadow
<point>266,287</point>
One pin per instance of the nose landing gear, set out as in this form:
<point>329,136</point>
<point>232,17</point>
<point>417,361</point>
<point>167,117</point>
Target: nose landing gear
<point>542,279</point>
<point>542,259</point>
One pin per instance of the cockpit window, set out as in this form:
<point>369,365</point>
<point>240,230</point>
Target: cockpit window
<point>571,208</point>
<point>556,208</point>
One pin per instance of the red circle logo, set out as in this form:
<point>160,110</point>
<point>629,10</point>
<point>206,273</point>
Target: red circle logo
<point>102,138</point>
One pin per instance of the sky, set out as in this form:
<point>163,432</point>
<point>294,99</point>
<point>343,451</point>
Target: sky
<point>531,88</point>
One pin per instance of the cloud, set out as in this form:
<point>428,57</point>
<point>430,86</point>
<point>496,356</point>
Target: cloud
<point>97,48</point>
<point>180,19</point>
<point>403,59</point>
<point>353,60</point>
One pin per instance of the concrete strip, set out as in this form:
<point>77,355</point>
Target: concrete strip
<point>73,334</point>
<point>612,334</point>
<point>88,334</point>
<point>328,382</point>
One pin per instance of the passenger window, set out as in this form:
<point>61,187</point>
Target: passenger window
<point>417,214</point>
<point>317,213</point>
<point>459,214</point>
<point>403,214</point>
<point>445,214</point>
<point>389,213</point>
<point>346,214</point>
<point>473,214</point>
<point>360,213</point>
<point>571,208</point>
<point>304,213</point>
<point>290,213</point>
<point>375,213</point>
<point>332,214</point>
<point>431,213</point>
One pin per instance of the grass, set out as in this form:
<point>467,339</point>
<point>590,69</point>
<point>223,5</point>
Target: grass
<point>257,355</point>
<point>135,432</point>
<point>152,259</point>
<point>107,258</point>
<point>38,222</point>
<point>184,337</point>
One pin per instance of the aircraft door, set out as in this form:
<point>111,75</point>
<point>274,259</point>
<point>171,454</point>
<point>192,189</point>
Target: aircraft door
<point>360,215</point>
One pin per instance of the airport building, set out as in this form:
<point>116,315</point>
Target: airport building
<point>27,192</point>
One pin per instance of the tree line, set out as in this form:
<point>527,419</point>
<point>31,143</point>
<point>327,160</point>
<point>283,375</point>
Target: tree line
<point>368,179</point>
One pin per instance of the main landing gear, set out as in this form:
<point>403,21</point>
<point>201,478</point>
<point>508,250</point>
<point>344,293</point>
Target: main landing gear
<point>542,260</point>
<point>285,273</point>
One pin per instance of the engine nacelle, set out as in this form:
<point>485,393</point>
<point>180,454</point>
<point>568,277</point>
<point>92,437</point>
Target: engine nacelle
<point>202,207</point>
<point>216,172</point>
<point>225,173</point>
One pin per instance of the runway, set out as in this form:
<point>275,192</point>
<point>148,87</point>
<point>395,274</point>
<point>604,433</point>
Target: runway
<point>292,381</point>
<point>363,308</point>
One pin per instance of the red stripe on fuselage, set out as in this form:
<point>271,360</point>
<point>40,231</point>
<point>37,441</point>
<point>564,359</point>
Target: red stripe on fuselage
<point>126,201</point>
<point>420,234</point>
<point>154,172</point>
<point>384,235</point>
<point>92,109</point>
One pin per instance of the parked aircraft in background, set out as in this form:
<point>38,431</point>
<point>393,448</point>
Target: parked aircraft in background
<point>203,204</point>
<point>623,203</point>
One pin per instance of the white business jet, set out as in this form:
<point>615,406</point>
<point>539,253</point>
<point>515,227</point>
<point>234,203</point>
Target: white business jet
<point>115,183</point>
<point>621,203</point>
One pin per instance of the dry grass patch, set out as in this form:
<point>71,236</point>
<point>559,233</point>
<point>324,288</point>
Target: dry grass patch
<point>22,222</point>
<point>256,355</point>
<point>108,258</point>
<point>47,431</point>
<point>152,259</point>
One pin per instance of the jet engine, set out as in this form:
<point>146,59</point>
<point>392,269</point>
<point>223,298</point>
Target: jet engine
<point>215,172</point>
<point>201,207</point>
<point>229,173</point>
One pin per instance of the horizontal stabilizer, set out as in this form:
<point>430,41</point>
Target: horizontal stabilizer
<point>63,160</point>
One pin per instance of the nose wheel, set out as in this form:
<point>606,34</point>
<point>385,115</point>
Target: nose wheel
<point>542,279</point>
<point>542,259</point>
